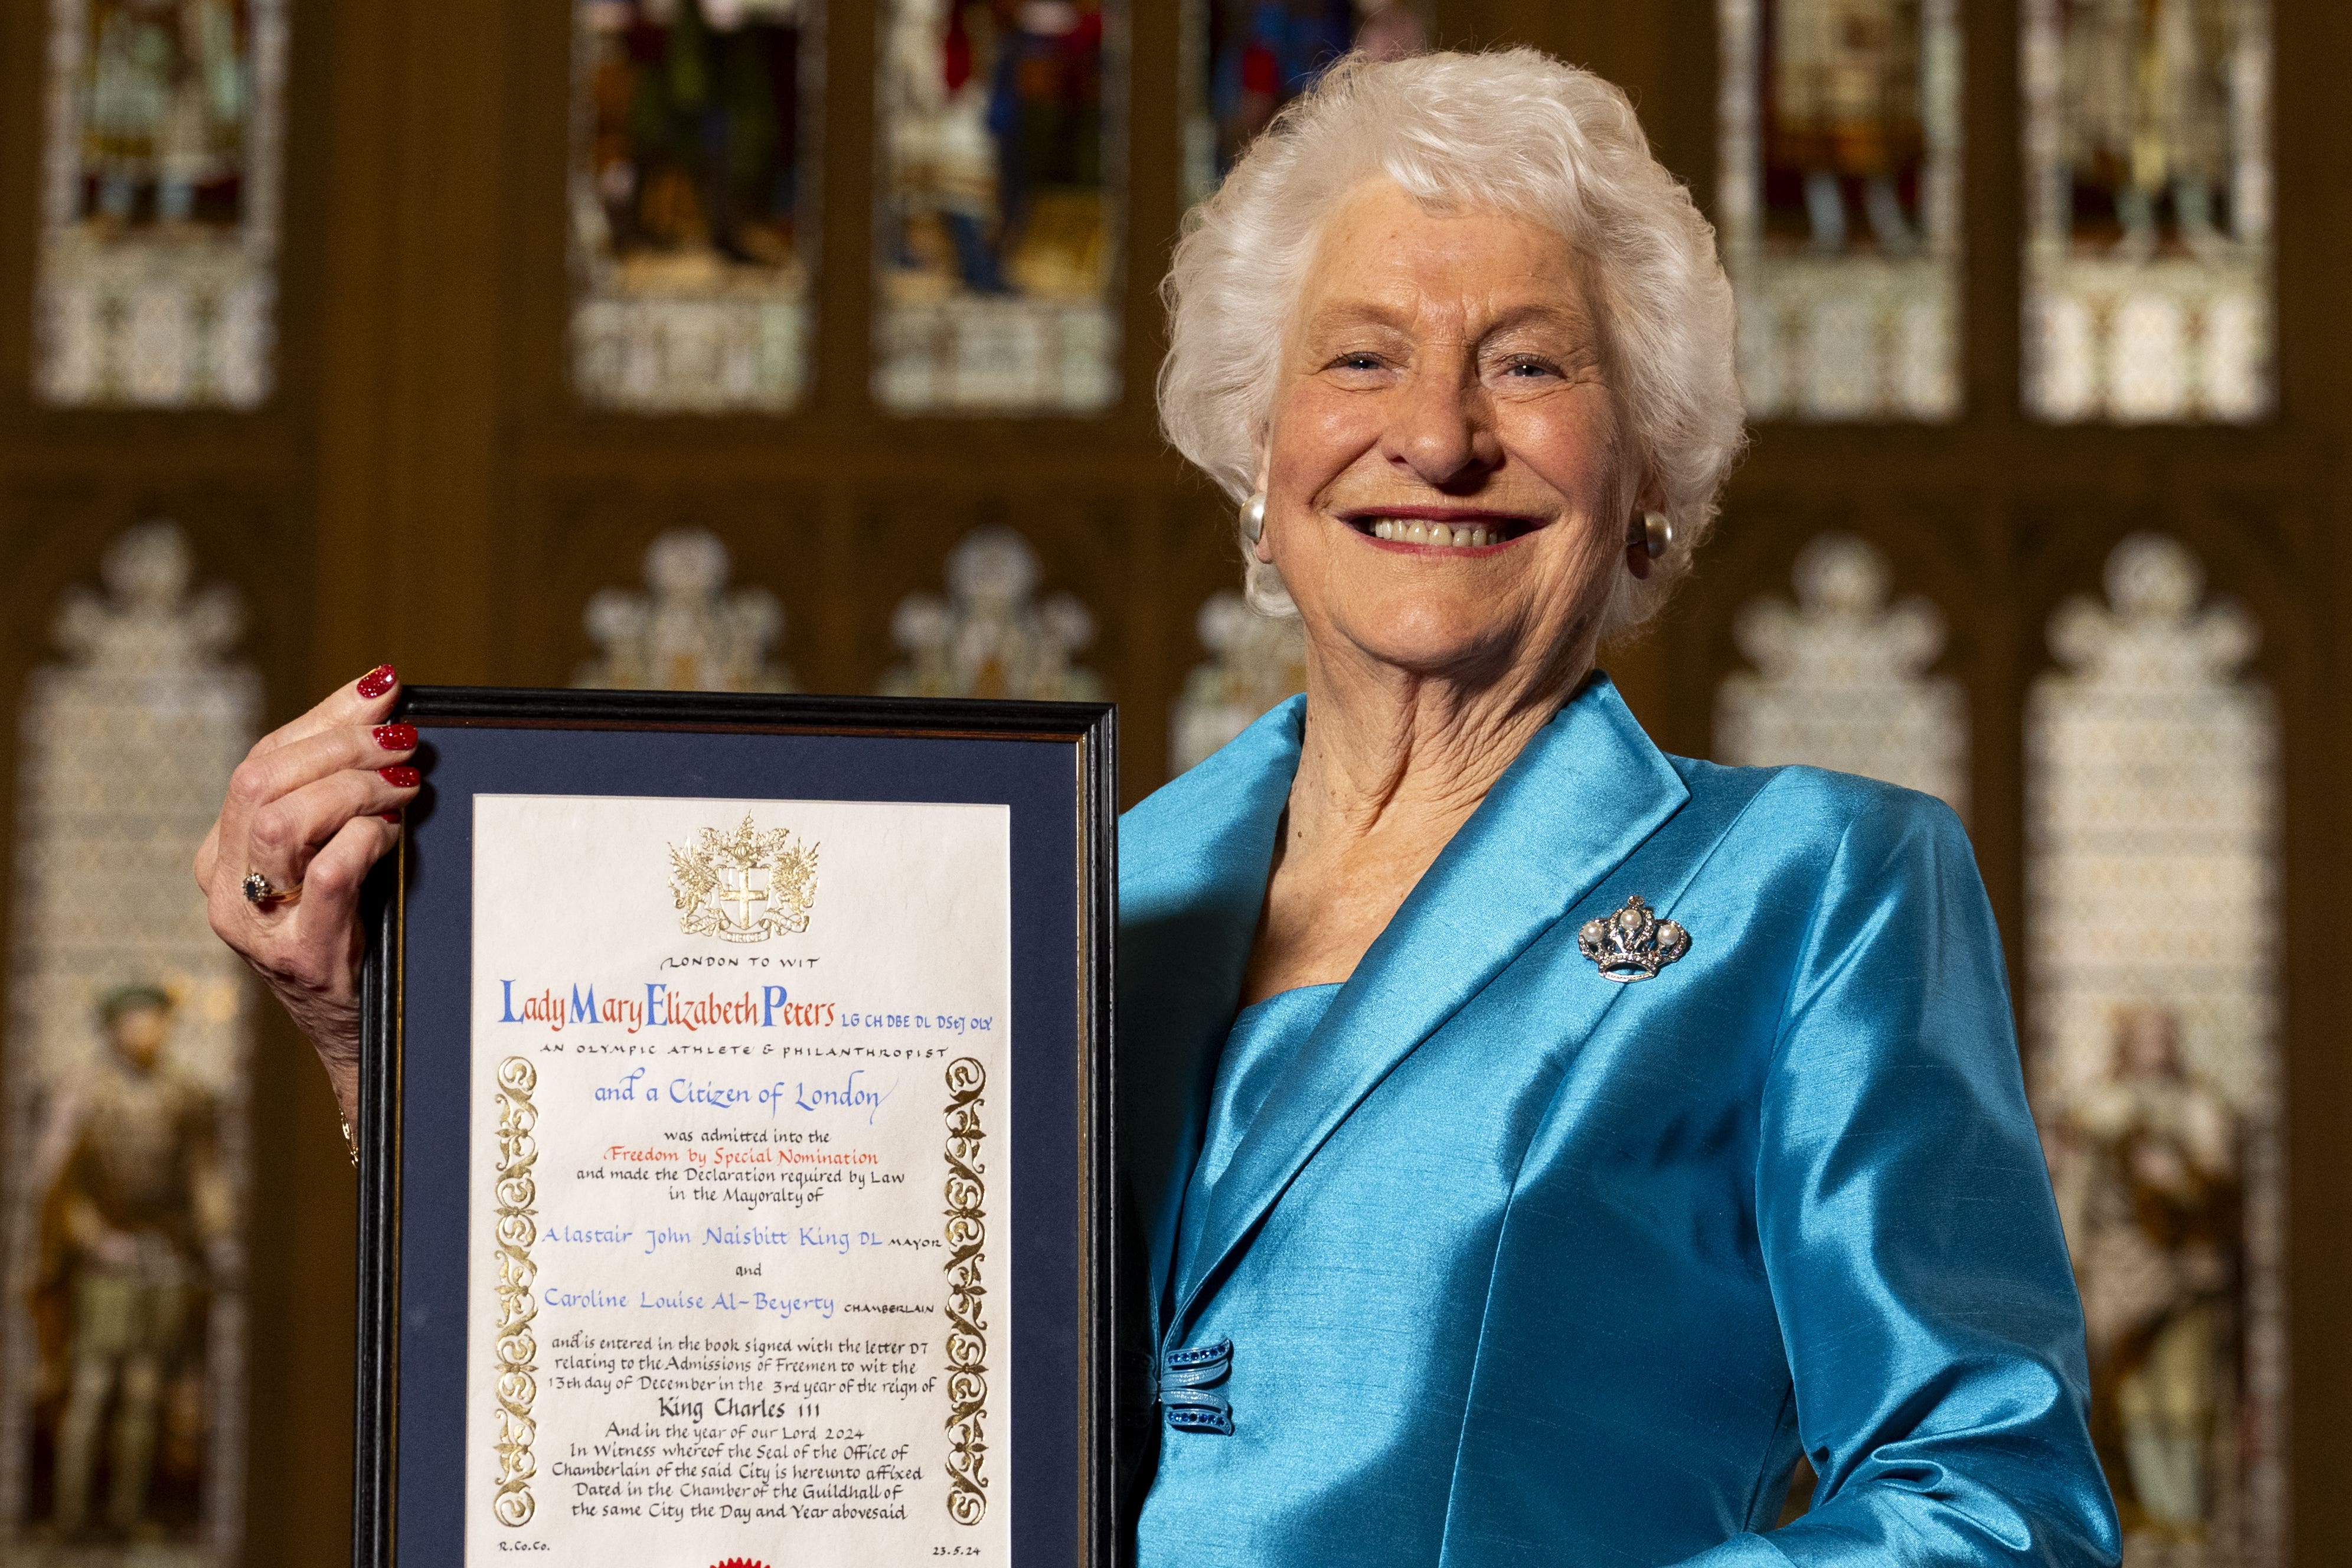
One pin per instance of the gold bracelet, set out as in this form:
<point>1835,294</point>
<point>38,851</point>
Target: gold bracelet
<point>350,1142</point>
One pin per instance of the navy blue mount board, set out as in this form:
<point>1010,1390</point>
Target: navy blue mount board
<point>1051,764</point>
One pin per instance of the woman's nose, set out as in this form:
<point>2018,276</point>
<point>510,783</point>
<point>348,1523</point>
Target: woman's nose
<point>1442,427</point>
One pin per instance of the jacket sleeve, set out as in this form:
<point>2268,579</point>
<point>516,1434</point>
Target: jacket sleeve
<point>1916,1265</point>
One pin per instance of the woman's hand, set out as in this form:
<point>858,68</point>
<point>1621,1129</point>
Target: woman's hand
<point>310,809</point>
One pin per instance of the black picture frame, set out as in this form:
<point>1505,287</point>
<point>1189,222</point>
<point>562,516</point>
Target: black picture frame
<point>968,738</point>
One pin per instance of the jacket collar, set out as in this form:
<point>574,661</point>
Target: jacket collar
<point>1193,861</point>
<point>1582,796</point>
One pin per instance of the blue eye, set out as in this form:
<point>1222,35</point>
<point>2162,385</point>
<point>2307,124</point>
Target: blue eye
<point>1360,362</point>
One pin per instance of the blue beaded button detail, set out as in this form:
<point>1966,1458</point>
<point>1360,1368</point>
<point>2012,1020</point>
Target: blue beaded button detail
<point>1192,1388</point>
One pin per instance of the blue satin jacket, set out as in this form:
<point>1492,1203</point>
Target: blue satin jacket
<point>1519,1266</point>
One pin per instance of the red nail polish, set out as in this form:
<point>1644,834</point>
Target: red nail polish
<point>402,778</point>
<point>396,737</point>
<point>379,680</point>
<point>389,815</point>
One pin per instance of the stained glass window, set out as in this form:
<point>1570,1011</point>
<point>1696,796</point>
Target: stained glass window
<point>688,631</point>
<point>1840,152</point>
<point>1255,662</point>
<point>2152,788</point>
<point>157,272</point>
<point>1841,680</point>
<point>992,636</point>
<point>692,192</point>
<point>2148,259</point>
<point>1248,58</point>
<point>122,1434</point>
<point>1000,196</point>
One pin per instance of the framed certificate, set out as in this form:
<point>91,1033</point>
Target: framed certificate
<point>735,1137</point>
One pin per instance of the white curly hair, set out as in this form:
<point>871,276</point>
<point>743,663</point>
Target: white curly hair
<point>1514,130</point>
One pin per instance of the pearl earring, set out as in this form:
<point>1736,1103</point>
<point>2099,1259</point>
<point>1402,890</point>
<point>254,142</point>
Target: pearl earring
<point>1658,533</point>
<point>1253,516</point>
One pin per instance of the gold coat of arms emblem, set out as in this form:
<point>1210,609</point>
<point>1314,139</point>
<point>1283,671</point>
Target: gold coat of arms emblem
<point>746,885</point>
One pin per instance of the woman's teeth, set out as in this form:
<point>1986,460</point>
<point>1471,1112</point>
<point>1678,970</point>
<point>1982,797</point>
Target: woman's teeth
<point>1415,532</point>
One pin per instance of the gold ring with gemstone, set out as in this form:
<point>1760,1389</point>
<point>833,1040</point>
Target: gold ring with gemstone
<point>263,895</point>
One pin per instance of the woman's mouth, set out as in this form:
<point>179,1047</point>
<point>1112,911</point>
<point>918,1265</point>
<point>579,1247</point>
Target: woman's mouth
<point>1459,533</point>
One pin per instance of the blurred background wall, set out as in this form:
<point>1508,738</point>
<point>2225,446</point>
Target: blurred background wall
<point>784,345</point>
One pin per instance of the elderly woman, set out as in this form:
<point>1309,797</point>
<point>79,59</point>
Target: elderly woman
<point>1544,1140</point>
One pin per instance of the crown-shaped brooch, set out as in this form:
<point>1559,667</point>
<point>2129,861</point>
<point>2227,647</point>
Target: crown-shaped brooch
<point>1631,944</point>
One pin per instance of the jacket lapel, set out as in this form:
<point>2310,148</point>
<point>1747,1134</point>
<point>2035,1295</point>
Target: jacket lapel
<point>1192,874</point>
<point>1584,795</point>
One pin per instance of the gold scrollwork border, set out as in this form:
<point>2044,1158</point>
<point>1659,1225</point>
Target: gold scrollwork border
<point>516,1353</point>
<point>967,1336</point>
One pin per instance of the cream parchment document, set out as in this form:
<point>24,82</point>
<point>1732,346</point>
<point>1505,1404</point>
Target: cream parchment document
<point>740,1267</point>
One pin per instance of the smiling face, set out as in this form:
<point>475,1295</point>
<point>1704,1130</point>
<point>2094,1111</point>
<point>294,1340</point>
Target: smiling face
<point>1445,490</point>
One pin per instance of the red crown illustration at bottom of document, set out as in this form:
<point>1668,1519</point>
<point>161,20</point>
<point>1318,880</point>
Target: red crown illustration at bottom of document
<point>739,1563</point>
